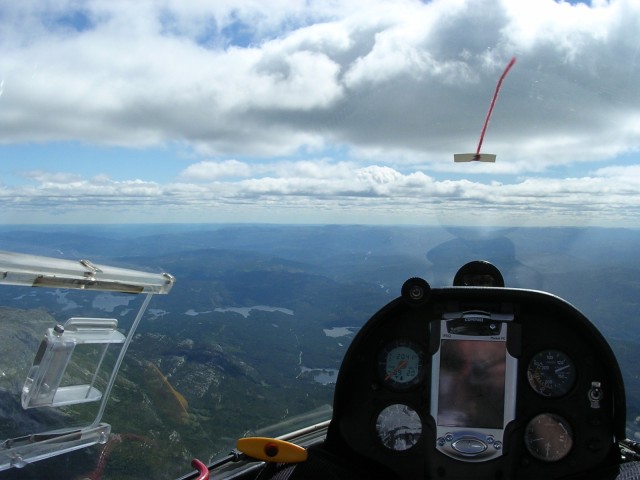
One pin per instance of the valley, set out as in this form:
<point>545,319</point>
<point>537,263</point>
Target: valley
<point>254,331</point>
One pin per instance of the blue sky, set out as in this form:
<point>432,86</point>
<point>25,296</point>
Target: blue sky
<point>315,112</point>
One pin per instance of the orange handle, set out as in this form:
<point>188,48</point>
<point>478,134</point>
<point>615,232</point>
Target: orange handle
<point>272,450</point>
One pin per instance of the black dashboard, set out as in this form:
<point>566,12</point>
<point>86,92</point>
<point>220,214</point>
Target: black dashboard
<point>479,382</point>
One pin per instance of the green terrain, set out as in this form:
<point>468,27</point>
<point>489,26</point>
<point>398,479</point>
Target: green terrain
<point>253,331</point>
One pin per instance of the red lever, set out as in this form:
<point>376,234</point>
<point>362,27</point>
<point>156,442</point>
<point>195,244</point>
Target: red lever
<point>201,468</point>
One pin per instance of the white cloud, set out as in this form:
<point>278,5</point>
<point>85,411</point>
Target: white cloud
<point>605,196</point>
<point>626,176</point>
<point>569,27</point>
<point>411,76</point>
<point>210,170</point>
<point>313,168</point>
<point>273,90</point>
<point>46,177</point>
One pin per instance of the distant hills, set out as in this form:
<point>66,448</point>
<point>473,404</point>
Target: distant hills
<point>207,366</point>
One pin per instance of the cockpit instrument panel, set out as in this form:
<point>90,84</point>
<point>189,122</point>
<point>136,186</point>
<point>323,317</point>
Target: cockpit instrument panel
<point>551,373</point>
<point>480,382</point>
<point>399,427</point>
<point>400,364</point>
<point>548,437</point>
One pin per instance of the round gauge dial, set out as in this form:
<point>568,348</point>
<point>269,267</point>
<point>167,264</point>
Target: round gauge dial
<point>548,437</point>
<point>398,427</point>
<point>400,364</point>
<point>551,373</point>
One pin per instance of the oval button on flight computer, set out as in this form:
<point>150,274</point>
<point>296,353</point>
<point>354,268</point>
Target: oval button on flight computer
<point>469,446</point>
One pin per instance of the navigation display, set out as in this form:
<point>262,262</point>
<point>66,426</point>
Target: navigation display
<point>472,383</point>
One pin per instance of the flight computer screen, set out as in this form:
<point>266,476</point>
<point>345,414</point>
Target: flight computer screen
<point>472,382</point>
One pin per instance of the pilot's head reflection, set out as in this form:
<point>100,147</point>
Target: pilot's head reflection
<point>471,388</point>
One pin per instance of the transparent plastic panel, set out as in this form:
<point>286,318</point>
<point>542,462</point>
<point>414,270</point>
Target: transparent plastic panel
<point>32,270</point>
<point>62,349</point>
<point>42,386</point>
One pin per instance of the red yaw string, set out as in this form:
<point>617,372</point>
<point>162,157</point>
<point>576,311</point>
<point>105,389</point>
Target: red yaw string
<point>493,102</point>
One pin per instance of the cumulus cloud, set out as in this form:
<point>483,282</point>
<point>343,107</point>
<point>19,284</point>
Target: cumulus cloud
<point>368,193</point>
<point>210,170</point>
<point>329,105</point>
<point>307,73</point>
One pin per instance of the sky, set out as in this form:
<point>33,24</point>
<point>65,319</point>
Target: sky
<point>328,111</point>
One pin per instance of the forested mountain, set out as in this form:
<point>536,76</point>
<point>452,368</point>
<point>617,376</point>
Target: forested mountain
<point>260,317</point>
